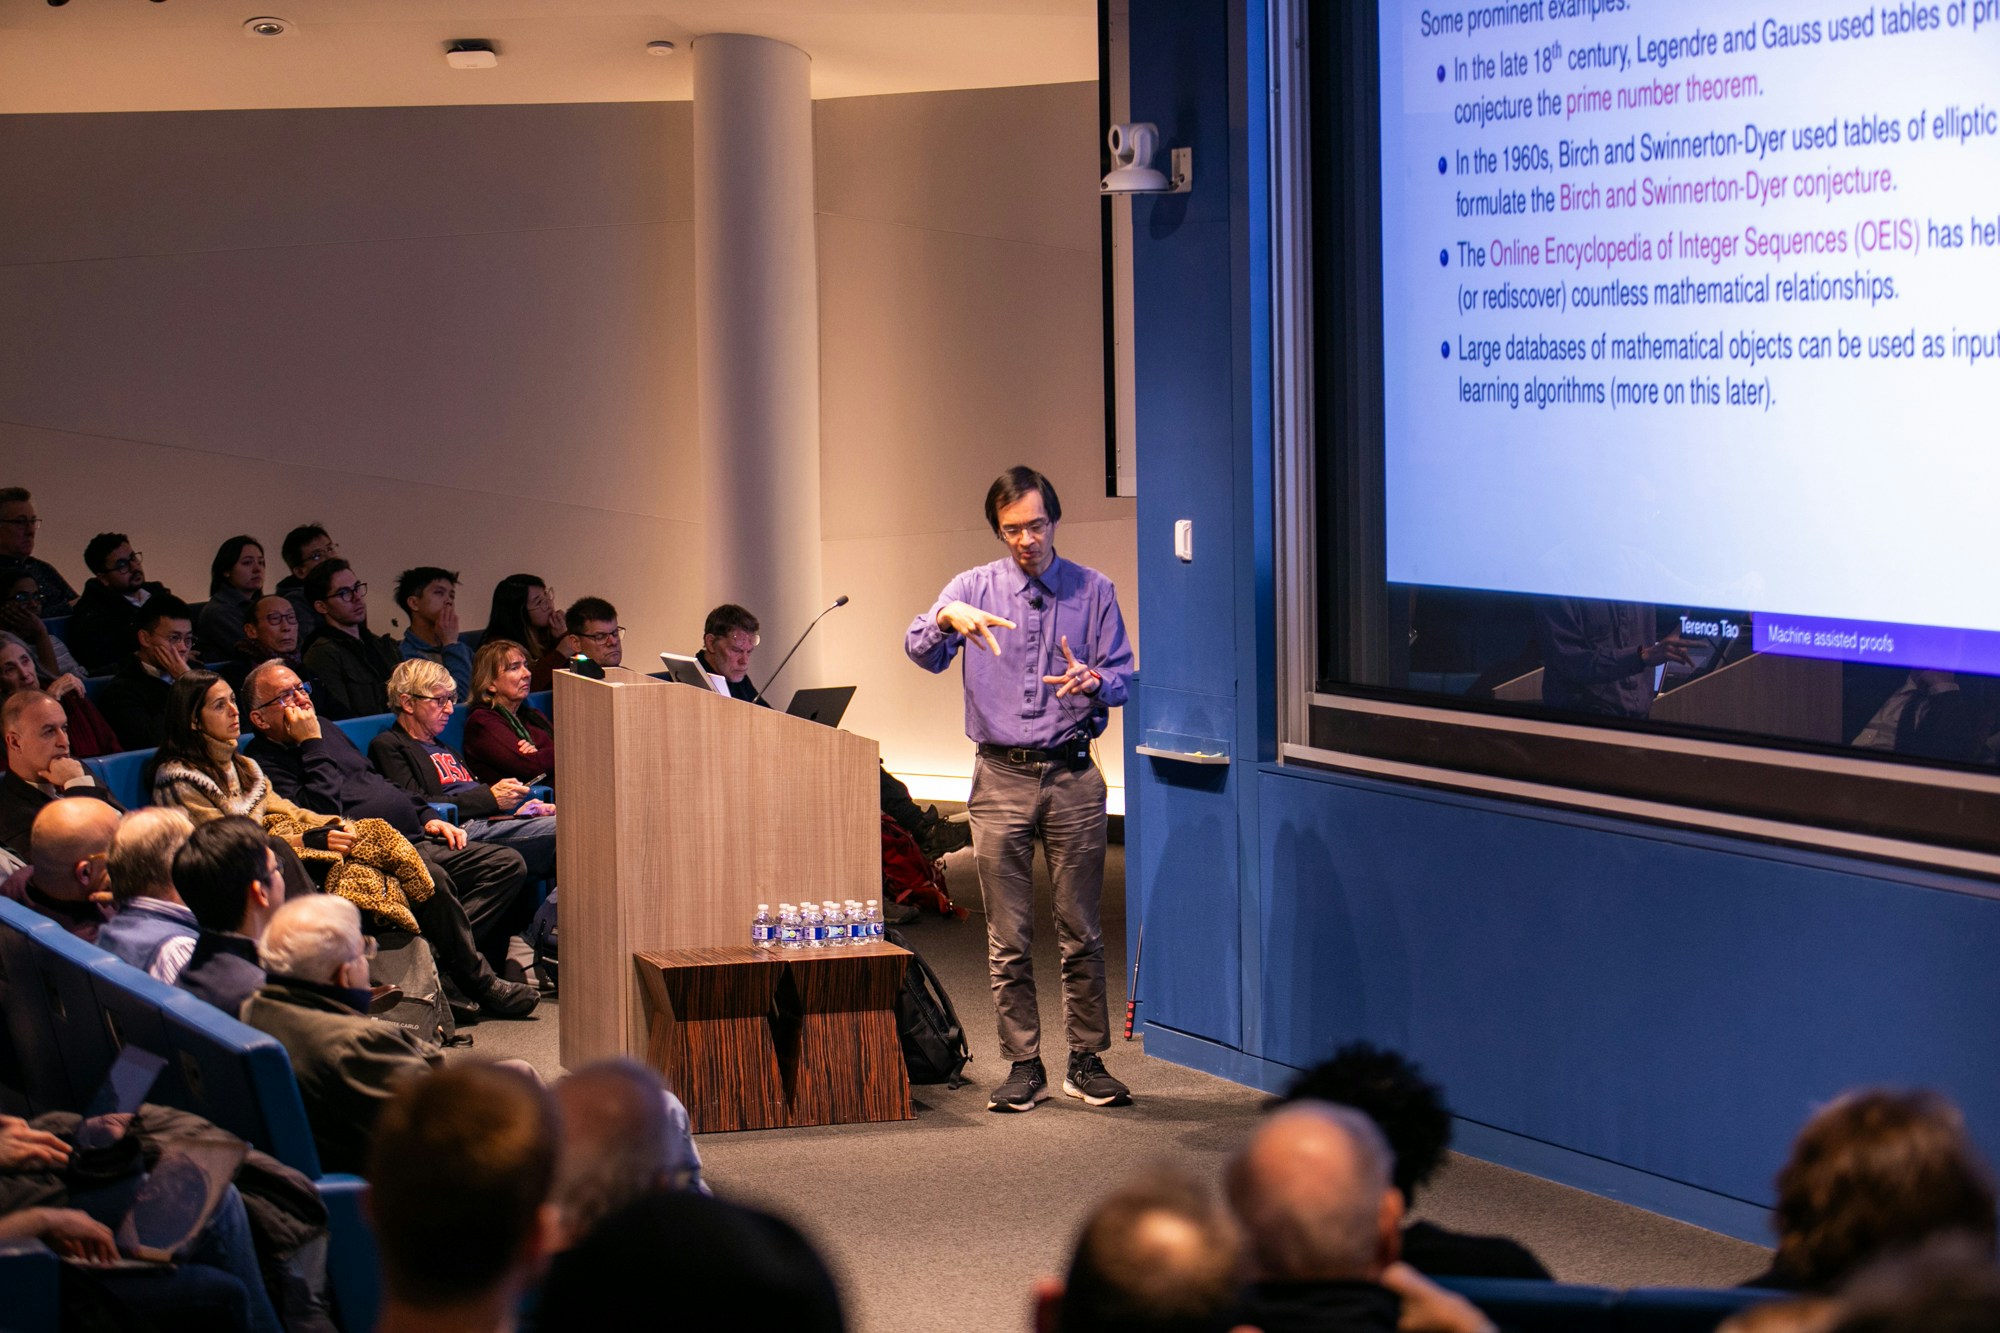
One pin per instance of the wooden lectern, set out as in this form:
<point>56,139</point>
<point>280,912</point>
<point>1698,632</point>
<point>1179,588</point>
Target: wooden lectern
<point>681,811</point>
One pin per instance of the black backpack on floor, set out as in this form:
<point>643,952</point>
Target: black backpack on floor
<point>404,961</point>
<point>934,1046</point>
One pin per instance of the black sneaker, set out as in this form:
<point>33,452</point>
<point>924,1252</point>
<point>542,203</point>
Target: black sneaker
<point>944,837</point>
<point>1087,1079</point>
<point>1027,1083</point>
<point>509,999</point>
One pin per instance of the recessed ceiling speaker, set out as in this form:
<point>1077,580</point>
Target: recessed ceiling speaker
<point>266,26</point>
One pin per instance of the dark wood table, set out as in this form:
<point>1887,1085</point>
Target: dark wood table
<point>774,1038</point>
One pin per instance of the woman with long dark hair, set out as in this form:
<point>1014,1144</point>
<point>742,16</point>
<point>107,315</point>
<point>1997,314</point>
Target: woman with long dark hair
<point>524,610</point>
<point>235,582</point>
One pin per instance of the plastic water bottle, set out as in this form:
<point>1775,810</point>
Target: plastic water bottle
<point>791,930</point>
<point>763,930</point>
<point>857,922</point>
<point>812,926</point>
<point>874,921</point>
<point>836,924</point>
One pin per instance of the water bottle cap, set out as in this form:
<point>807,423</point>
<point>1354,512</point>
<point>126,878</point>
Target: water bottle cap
<point>763,907</point>
<point>872,901</point>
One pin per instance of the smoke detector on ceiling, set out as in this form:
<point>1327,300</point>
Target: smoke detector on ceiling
<point>659,48</point>
<point>472,55</point>
<point>266,26</point>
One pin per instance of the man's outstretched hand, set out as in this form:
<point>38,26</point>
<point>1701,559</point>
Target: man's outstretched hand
<point>1077,679</point>
<point>961,618</point>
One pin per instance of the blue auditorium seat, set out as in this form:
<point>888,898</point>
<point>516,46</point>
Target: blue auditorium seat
<point>1684,1309</point>
<point>94,685</point>
<point>69,1006</point>
<point>543,702</point>
<point>471,637</point>
<point>362,730</point>
<point>58,626</point>
<point>1525,1306</point>
<point>453,735</point>
<point>124,776</point>
<point>31,1276</point>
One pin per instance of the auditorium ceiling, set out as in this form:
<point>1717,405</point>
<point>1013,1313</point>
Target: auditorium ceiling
<point>193,55</point>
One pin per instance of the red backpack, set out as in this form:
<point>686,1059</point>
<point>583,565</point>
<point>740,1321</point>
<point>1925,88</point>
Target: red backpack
<point>908,876</point>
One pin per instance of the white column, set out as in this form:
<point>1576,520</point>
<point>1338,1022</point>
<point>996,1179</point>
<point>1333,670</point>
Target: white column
<point>757,340</point>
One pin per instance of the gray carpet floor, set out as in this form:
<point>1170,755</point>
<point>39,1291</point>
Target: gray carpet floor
<point>947,1220</point>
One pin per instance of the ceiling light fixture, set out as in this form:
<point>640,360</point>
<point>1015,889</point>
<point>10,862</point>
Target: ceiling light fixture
<point>267,26</point>
<point>659,48</point>
<point>474,53</point>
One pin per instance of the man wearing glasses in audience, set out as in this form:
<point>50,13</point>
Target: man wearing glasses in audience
<point>134,701</point>
<point>18,528</point>
<point>21,614</point>
<point>271,631</point>
<point>479,900</point>
<point>304,549</point>
<point>107,615</point>
<point>594,631</point>
<point>40,767</point>
<point>351,661</point>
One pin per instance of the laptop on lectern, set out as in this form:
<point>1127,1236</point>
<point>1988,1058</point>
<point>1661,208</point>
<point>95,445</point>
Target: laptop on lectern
<point>826,704</point>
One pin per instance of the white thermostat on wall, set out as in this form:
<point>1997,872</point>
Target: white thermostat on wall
<point>1184,539</point>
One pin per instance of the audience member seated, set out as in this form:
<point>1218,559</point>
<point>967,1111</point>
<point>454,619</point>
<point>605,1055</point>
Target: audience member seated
<point>315,1001</point>
<point>524,609</point>
<point>102,627</point>
<point>1801,1314</point>
<point>134,700</point>
<point>624,1136</point>
<point>409,755</point>
<point>21,612</point>
<point>65,878</point>
<point>459,1178</point>
<point>271,631</point>
<point>235,582</point>
<point>728,1267</point>
<point>89,734</point>
<point>351,661</point>
<point>1411,1113</point>
<point>19,526</point>
<point>1156,1255</point>
<point>1323,1222</point>
<point>1875,1173</point>
<point>430,596</point>
<point>51,1192</point>
<point>1950,1285</point>
<point>199,771</point>
<point>153,930</point>
<point>304,549</point>
<point>592,630</point>
<point>504,737</point>
<point>227,873</point>
<point>40,767</point>
<point>479,900</point>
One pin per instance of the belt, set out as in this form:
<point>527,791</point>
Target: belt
<point>1021,754</point>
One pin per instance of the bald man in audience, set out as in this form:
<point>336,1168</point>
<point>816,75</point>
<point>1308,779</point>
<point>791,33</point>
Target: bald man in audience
<point>624,1136</point>
<point>154,929</point>
<point>65,878</point>
<point>1313,1193</point>
<point>39,766</point>
<point>1155,1257</point>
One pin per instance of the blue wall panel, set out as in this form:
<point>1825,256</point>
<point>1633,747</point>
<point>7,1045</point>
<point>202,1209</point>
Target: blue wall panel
<point>1672,1002</point>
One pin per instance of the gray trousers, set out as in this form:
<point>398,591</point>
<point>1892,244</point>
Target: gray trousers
<point>1013,805</point>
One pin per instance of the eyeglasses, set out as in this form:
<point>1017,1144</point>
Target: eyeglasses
<point>29,597</point>
<point>300,692</point>
<point>179,640</point>
<point>129,562</point>
<point>280,619</point>
<point>30,524</point>
<point>307,559</point>
<point>348,593</point>
<point>739,643</point>
<point>442,699</point>
<point>1015,531</point>
<point>606,636</point>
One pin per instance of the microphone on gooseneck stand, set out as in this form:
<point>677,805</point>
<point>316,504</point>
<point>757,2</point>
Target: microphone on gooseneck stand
<point>838,602</point>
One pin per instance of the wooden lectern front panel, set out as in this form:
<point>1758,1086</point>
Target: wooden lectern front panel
<point>681,811</point>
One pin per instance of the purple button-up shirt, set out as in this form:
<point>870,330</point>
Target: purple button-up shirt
<point>1006,702</point>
